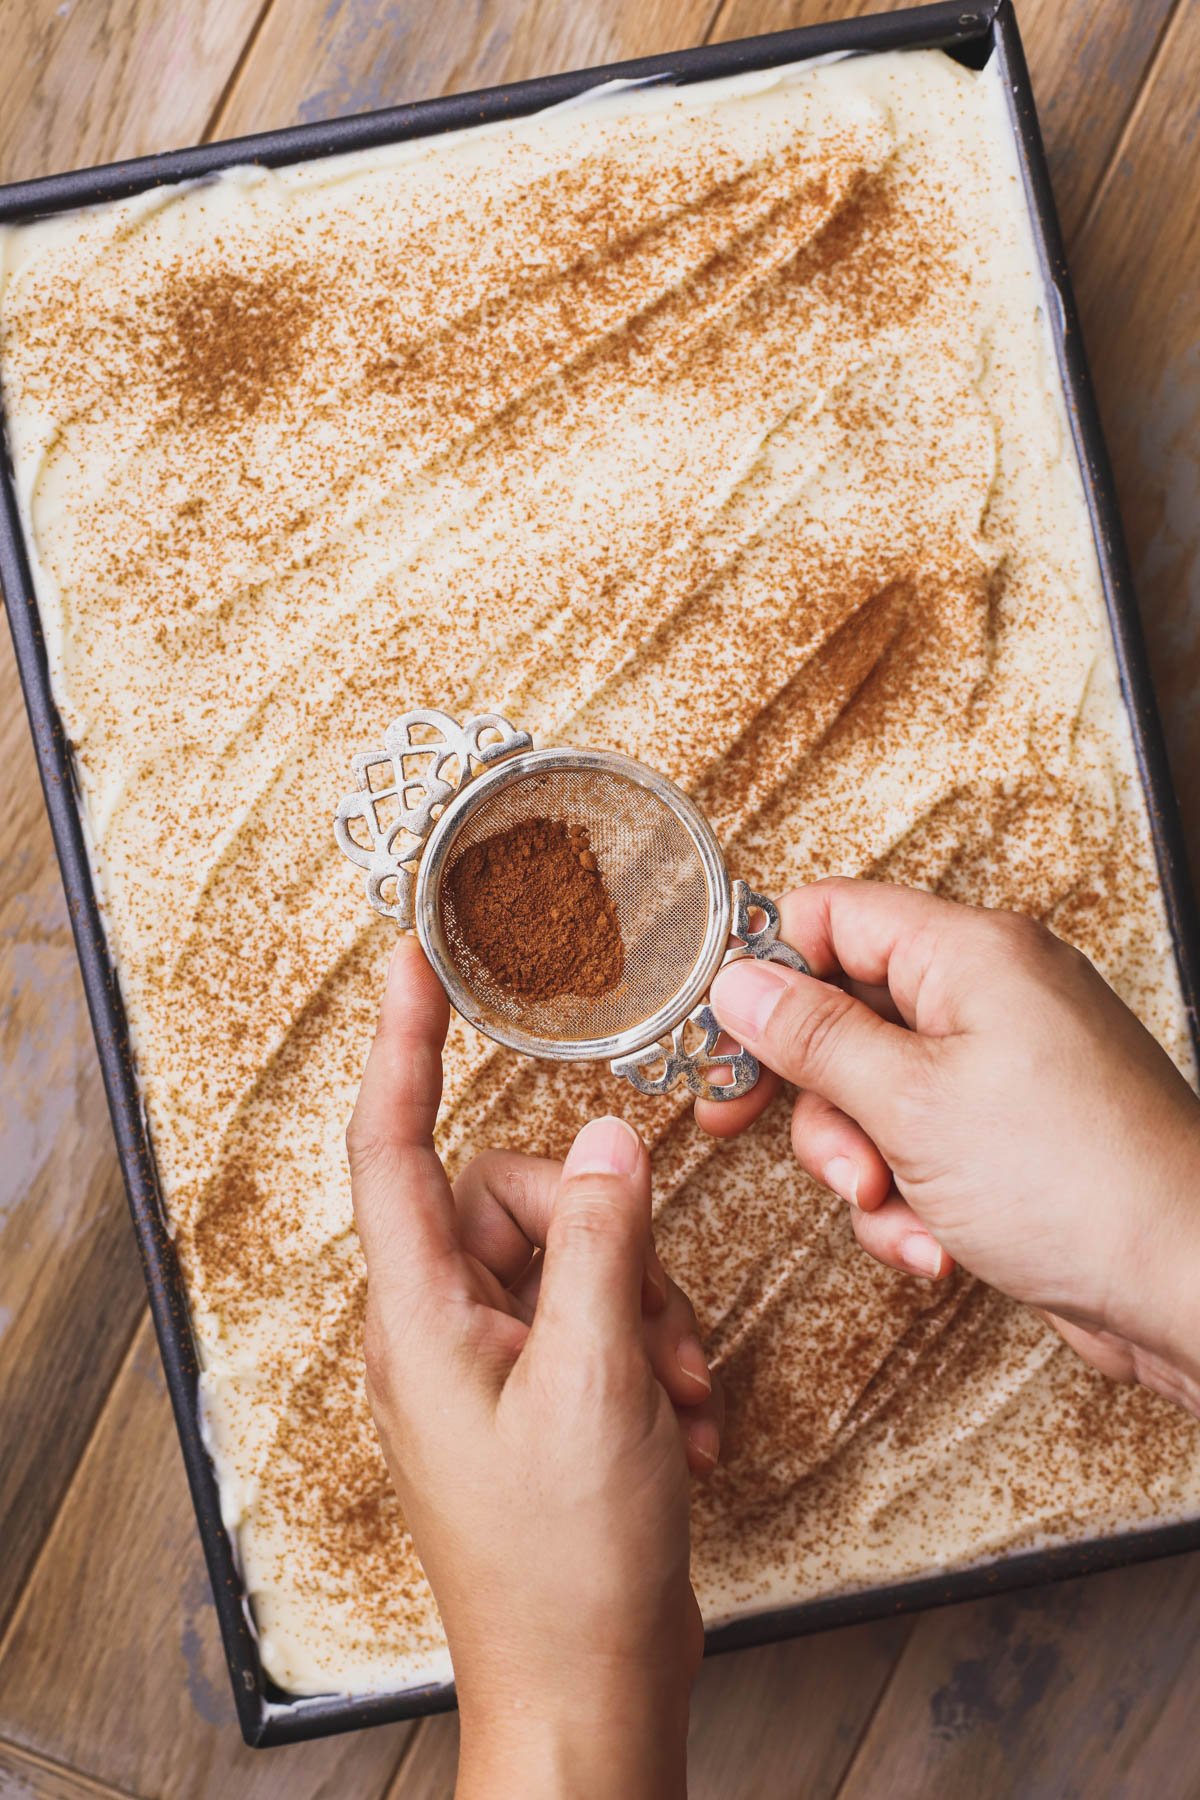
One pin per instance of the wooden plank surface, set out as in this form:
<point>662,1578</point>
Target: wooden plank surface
<point>113,1666</point>
<point>79,84</point>
<point>25,1777</point>
<point>353,55</point>
<point>70,1283</point>
<point>1136,268</point>
<point>110,1672</point>
<point>1100,1670</point>
<point>786,1719</point>
<point>1068,1692</point>
<point>111,78</point>
<point>1086,60</point>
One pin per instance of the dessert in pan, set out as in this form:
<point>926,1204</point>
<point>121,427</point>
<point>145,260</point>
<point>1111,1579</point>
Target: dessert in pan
<point>715,426</point>
<point>514,909</point>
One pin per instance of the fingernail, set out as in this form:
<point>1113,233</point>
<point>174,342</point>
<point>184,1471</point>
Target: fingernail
<point>705,1440</point>
<point>920,1254</point>
<point>604,1147</point>
<point>841,1175</point>
<point>745,994</point>
<point>689,1354</point>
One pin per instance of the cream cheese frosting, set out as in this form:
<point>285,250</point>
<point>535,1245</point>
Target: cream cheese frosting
<point>716,425</point>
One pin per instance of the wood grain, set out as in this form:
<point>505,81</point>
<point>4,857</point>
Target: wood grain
<point>24,1777</point>
<point>1086,61</point>
<point>785,1719</point>
<point>781,1720</point>
<point>113,1664</point>
<point>80,84</point>
<point>111,78</point>
<point>1080,1690</point>
<point>353,55</point>
<point>1135,269</point>
<point>1065,1692</point>
<point>70,1282</point>
<point>429,1769</point>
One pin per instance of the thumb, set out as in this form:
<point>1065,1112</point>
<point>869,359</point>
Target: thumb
<point>816,1036</point>
<point>597,1238</point>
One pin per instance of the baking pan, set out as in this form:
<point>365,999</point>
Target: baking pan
<point>971,33</point>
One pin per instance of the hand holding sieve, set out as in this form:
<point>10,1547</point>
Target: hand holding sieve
<point>436,788</point>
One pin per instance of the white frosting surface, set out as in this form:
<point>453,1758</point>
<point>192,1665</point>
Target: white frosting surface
<point>717,425</point>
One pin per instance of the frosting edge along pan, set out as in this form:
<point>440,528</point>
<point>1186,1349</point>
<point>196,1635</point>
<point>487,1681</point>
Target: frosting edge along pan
<point>972,33</point>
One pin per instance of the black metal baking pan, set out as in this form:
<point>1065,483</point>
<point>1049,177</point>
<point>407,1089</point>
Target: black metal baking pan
<point>970,32</point>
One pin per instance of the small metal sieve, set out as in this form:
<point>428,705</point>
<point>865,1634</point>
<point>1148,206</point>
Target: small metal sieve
<point>436,789</point>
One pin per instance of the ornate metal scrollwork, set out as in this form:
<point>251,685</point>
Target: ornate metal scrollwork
<point>691,1049</point>
<point>402,789</point>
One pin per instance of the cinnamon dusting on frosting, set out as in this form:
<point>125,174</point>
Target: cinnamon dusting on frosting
<point>717,428</point>
<point>229,341</point>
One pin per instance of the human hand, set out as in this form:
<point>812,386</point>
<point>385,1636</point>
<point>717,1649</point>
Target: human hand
<point>1025,1124</point>
<point>539,1413</point>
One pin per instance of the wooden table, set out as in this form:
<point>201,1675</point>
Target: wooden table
<point>111,1675</point>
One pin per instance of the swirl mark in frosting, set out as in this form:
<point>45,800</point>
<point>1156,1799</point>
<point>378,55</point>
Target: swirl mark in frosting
<point>718,425</point>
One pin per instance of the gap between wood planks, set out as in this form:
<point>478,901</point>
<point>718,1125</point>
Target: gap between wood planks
<point>1095,199</point>
<point>15,1757</point>
<point>885,1688</point>
<point>212,129</point>
<point>719,11</point>
<point>8,1624</point>
<point>213,125</point>
<point>26,1587</point>
<point>1132,119</point>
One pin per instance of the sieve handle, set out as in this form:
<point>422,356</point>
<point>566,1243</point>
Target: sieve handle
<point>691,1050</point>
<point>402,789</point>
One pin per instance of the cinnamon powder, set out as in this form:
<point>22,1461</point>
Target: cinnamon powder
<point>873,657</point>
<point>530,904</point>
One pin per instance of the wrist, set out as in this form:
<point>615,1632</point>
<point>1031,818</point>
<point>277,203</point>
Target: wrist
<point>1176,1379</point>
<point>600,1742</point>
<point>1157,1311</point>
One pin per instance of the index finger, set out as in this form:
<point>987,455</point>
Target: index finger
<point>403,1206</point>
<point>879,935</point>
<point>875,938</point>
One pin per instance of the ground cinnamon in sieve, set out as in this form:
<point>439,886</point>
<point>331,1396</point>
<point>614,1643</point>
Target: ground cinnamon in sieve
<point>531,904</point>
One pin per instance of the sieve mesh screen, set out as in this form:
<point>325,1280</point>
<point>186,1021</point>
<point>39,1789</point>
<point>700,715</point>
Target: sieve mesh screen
<point>655,878</point>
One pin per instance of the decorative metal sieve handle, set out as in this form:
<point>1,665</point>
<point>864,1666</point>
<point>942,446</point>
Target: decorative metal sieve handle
<point>691,1050</point>
<point>402,790</point>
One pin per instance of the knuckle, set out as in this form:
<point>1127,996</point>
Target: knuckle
<point>421,1064</point>
<point>676,1320</point>
<point>837,884</point>
<point>863,1229</point>
<point>685,1316</point>
<point>808,1115</point>
<point>1023,937</point>
<point>364,1146</point>
<point>618,1380</point>
<point>591,1213</point>
<point>510,1178</point>
<point>910,1105</point>
<point>789,903</point>
<point>807,1038</point>
<point>378,1361</point>
<point>486,1172</point>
